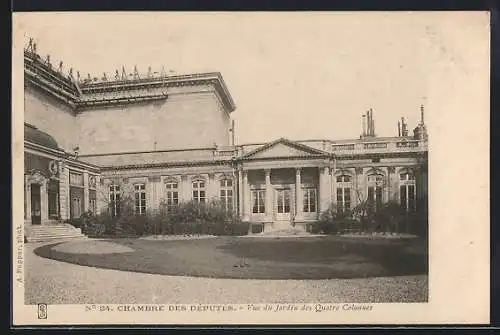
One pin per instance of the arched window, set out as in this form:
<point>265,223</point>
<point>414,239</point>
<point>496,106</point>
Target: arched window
<point>226,194</point>
<point>375,190</point>
<point>407,191</point>
<point>344,186</point>
<point>172,195</point>
<point>199,191</point>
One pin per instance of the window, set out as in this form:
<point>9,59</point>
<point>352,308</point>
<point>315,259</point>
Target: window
<point>258,200</point>
<point>172,195</point>
<point>344,186</point>
<point>92,201</point>
<point>75,179</point>
<point>343,179</point>
<point>114,200</point>
<point>140,199</point>
<point>283,201</point>
<point>407,191</point>
<point>199,191</point>
<point>53,197</point>
<point>309,200</point>
<point>226,194</point>
<point>343,199</point>
<point>375,191</point>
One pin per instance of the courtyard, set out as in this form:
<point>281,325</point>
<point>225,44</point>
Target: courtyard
<point>227,270</point>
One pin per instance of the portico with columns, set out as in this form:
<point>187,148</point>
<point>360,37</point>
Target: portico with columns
<point>285,184</point>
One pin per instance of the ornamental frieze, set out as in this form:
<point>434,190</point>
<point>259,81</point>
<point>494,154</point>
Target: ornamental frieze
<point>54,169</point>
<point>92,181</point>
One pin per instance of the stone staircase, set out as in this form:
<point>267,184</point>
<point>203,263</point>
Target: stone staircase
<point>284,232</point>
<point>354,227</point>
<point>49,232</point>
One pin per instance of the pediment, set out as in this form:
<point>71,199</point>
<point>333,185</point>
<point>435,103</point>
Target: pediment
<point>284,148</point>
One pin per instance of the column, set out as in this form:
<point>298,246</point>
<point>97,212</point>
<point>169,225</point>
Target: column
<point>28,198</point>
<point>333,184</point>
<point>360,185</point>
<point>44,201</point>
<point>86,197</point>
<point>269,196</point>
<point>246,197</point>
<point>212,187</point>
<point>324,188</point>
<point>298,196</point>
<point>153,189</point>
<point>99,194</point>
<point>240,193</point>
<point>63,191</point>
<point>185,191</point>
<point>391,184</point>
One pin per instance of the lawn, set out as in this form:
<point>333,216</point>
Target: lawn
<point>253,258</point>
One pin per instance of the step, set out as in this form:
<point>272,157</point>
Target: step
<point>51,236</point>
<point>52,231</point>
<point>40,233</point>
<point>48,239</point>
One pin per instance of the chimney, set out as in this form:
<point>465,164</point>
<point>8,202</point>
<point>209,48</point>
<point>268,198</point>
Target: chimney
<point>372,123</point>
<point>369,123</point>
<point>421,114</point>
<point>404,130</point>
<point>399,128</point>
<point>363,119</point>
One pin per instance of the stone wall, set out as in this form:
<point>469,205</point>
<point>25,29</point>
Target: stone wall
<point>51,116</point>
<point>190,120</point>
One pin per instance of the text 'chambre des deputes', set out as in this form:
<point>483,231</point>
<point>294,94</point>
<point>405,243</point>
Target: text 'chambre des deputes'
<point>233,308</point>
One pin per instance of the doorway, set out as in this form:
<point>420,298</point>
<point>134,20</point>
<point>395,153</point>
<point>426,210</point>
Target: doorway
<point>76,195</point>
<point>283,200</point>
<point>36,208</point>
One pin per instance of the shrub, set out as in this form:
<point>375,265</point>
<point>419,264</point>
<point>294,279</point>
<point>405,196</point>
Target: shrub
<point>331,222</point>
<point>390,218</point>
<point>186,218</point>
<point>89,224</point>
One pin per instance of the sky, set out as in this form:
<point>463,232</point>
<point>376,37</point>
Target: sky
<point>293,75</point>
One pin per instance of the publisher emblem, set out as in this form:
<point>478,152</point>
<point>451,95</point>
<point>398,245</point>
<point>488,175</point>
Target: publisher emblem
<point>42,311</point>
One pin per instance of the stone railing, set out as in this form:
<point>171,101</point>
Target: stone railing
<point>379,147</point>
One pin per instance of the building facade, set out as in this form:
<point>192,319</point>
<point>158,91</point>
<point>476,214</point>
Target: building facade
<point>165,139</point>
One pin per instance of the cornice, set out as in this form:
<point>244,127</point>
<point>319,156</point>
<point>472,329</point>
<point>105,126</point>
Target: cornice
<point>281,158</point>
<point>78,94</point>
<point>60,154</point>
<point>166,165</point>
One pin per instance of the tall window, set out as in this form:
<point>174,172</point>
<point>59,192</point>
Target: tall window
<point>53,195</point>
<point>92,201</point>
<point>344,185</point>
<point>199,191</point>
<point>226,194</point>
<point>407,191</point>
<point>259,200</point>
<point>172,195</point>
<point>114,200</point>
<point>309,200</point>
<point>140,199</point>
<point>375,190</point>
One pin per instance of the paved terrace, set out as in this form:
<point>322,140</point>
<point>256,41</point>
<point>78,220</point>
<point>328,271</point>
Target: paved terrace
<point>55,282</point>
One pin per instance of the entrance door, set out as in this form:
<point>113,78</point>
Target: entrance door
<point>283,201</point>
<point>36,208</point>
<point>76,207</point>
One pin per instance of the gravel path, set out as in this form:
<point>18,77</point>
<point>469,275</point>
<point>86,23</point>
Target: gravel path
<point>53,282</point>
